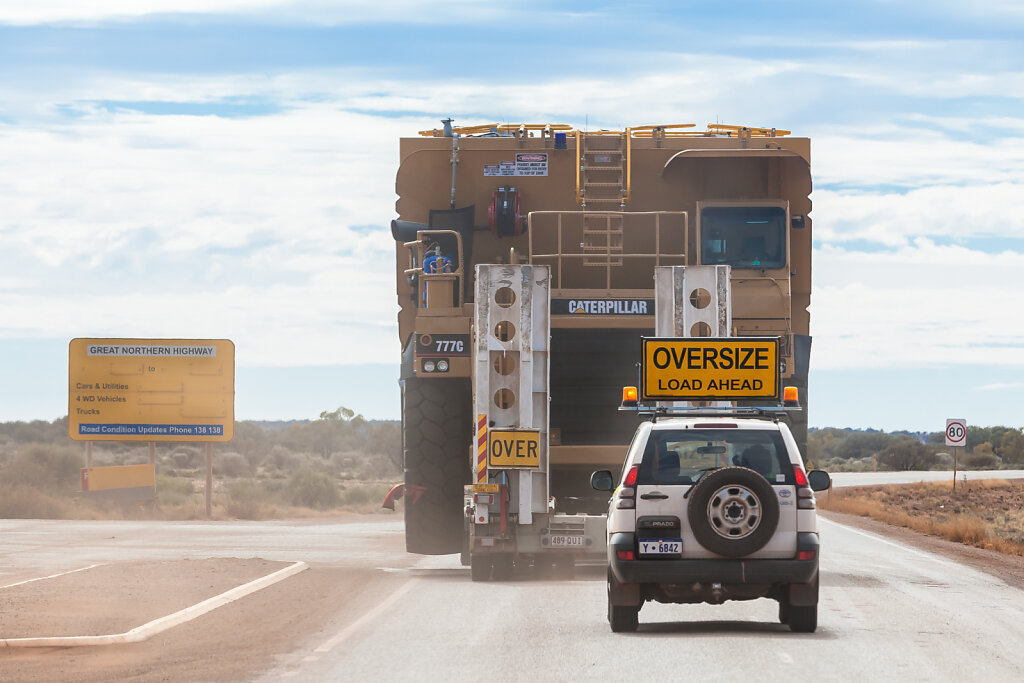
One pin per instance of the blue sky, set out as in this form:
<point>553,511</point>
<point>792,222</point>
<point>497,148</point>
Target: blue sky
<point>225,169</point>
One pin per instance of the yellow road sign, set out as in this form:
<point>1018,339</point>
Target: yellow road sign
<point>703,368</point>
<point>118,477</point>
<point>510,448</point>
<point>151,389</point>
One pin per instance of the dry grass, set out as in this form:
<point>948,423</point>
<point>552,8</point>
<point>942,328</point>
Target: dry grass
<point>986,514</point>
<point>178,499</point>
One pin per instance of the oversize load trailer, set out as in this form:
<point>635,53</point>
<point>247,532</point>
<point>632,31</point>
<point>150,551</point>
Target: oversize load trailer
<point>525,262</point>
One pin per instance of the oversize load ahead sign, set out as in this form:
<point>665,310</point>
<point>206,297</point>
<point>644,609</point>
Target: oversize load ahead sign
<point>703,368</point>
<point>151,389</point>
<point>513,448</point>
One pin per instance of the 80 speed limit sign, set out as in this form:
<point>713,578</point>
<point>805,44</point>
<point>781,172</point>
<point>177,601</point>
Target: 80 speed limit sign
<point>956,432</point>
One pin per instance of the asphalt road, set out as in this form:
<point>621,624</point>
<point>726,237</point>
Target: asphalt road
<point>872,478</point>
<point>887,612</point>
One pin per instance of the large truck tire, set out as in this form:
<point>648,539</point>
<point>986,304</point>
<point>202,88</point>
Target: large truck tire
<point>436,435</point>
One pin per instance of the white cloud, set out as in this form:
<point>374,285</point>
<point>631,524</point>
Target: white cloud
<point>901,156</point>
<point>1001,386</point>
<point>918,306</point>
<point>110,212</point>
<point>958,212</point>
<point>122,223</point>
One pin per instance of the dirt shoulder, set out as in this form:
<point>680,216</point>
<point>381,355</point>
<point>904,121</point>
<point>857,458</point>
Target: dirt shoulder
<point>235,642</point>
<point>1009,568</point>
<point>114,598</point>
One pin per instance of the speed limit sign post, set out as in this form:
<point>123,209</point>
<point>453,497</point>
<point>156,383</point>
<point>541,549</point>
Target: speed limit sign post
<point>956,437</point>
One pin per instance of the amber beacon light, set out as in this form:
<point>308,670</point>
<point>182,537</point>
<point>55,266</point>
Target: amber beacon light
<point>629,396</point>
<point>790,397</point>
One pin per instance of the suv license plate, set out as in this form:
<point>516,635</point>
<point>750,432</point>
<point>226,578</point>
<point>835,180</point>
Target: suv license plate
<point>662,546</point>
<point>561,541</point>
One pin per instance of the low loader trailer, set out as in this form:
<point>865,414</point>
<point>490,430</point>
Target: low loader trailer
<point>530,262</point>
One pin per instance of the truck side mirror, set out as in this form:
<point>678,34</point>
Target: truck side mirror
<point>819,480</point>
<point>602,480</point>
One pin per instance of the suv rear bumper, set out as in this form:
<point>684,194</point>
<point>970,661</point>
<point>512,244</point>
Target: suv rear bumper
<point>722,571</point>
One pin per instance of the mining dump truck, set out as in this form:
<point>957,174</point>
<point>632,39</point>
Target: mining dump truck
<point>526,259</point>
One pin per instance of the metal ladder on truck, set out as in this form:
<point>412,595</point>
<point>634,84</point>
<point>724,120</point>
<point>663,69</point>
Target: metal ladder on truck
<point>510,510</point>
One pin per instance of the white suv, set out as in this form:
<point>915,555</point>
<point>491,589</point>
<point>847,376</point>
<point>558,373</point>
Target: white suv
<point>710,509</point>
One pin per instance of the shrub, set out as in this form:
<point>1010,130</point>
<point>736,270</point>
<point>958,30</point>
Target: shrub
<point>231,465</point>
<point>49,468</point>
<point>248,490</point>
<point>358,495</point>
<point>982,461</point>
<point>280,458</point>
<point>184,459</point>
<point>245,499</point>
<point>18,501</point>
<point>173,490</point>
<point>312,489</point>
<point>174,484</point>
<point>906,453</point>
<point>364,495</point>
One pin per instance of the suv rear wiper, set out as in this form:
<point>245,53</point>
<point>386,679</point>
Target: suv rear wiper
<point>703,472</point>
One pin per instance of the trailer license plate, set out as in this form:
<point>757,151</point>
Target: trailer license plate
<point>562,541</point>
<point>662,546</point>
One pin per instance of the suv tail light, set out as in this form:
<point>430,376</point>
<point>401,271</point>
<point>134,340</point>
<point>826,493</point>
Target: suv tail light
<point>626,497</point>
<point>804,494</point>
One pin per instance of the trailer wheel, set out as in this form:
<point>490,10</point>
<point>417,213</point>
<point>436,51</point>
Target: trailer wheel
<point>565,567</point>
<point>436,433</point>
<point>503,566</point>
<point>480,567</point>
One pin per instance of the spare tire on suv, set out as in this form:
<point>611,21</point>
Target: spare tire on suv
<point>733,511</point>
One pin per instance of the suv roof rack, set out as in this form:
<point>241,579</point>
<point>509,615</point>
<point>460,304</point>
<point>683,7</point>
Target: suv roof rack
<point>756,412</point>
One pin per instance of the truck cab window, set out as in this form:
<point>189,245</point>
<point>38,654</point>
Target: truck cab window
<point>743,236</point>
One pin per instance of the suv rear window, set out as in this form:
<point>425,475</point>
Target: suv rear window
<point>683,456</point>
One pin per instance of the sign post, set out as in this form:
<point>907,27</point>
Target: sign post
<point>956,437</point>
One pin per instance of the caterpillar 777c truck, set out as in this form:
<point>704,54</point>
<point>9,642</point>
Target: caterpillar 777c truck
<point>525,275</point>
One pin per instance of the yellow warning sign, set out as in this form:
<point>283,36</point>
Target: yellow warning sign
<point>510,448</point>
<point>702,368</point>
<point>151,389</point>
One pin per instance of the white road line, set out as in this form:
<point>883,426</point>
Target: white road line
<point>160,625</point>
<point>912,551</point>
<point>369,616</point>
<point>51,576</point>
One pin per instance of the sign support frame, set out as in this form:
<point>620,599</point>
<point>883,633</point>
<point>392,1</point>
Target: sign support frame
<point>956,437</point>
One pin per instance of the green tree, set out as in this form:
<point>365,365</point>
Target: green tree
<point>979,435</point>
<point>864,444</point>
<point>1011,446</point>
<point>906,453</point>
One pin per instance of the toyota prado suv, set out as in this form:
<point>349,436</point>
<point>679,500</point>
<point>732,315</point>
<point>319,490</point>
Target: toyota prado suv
<point>710,509</point>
